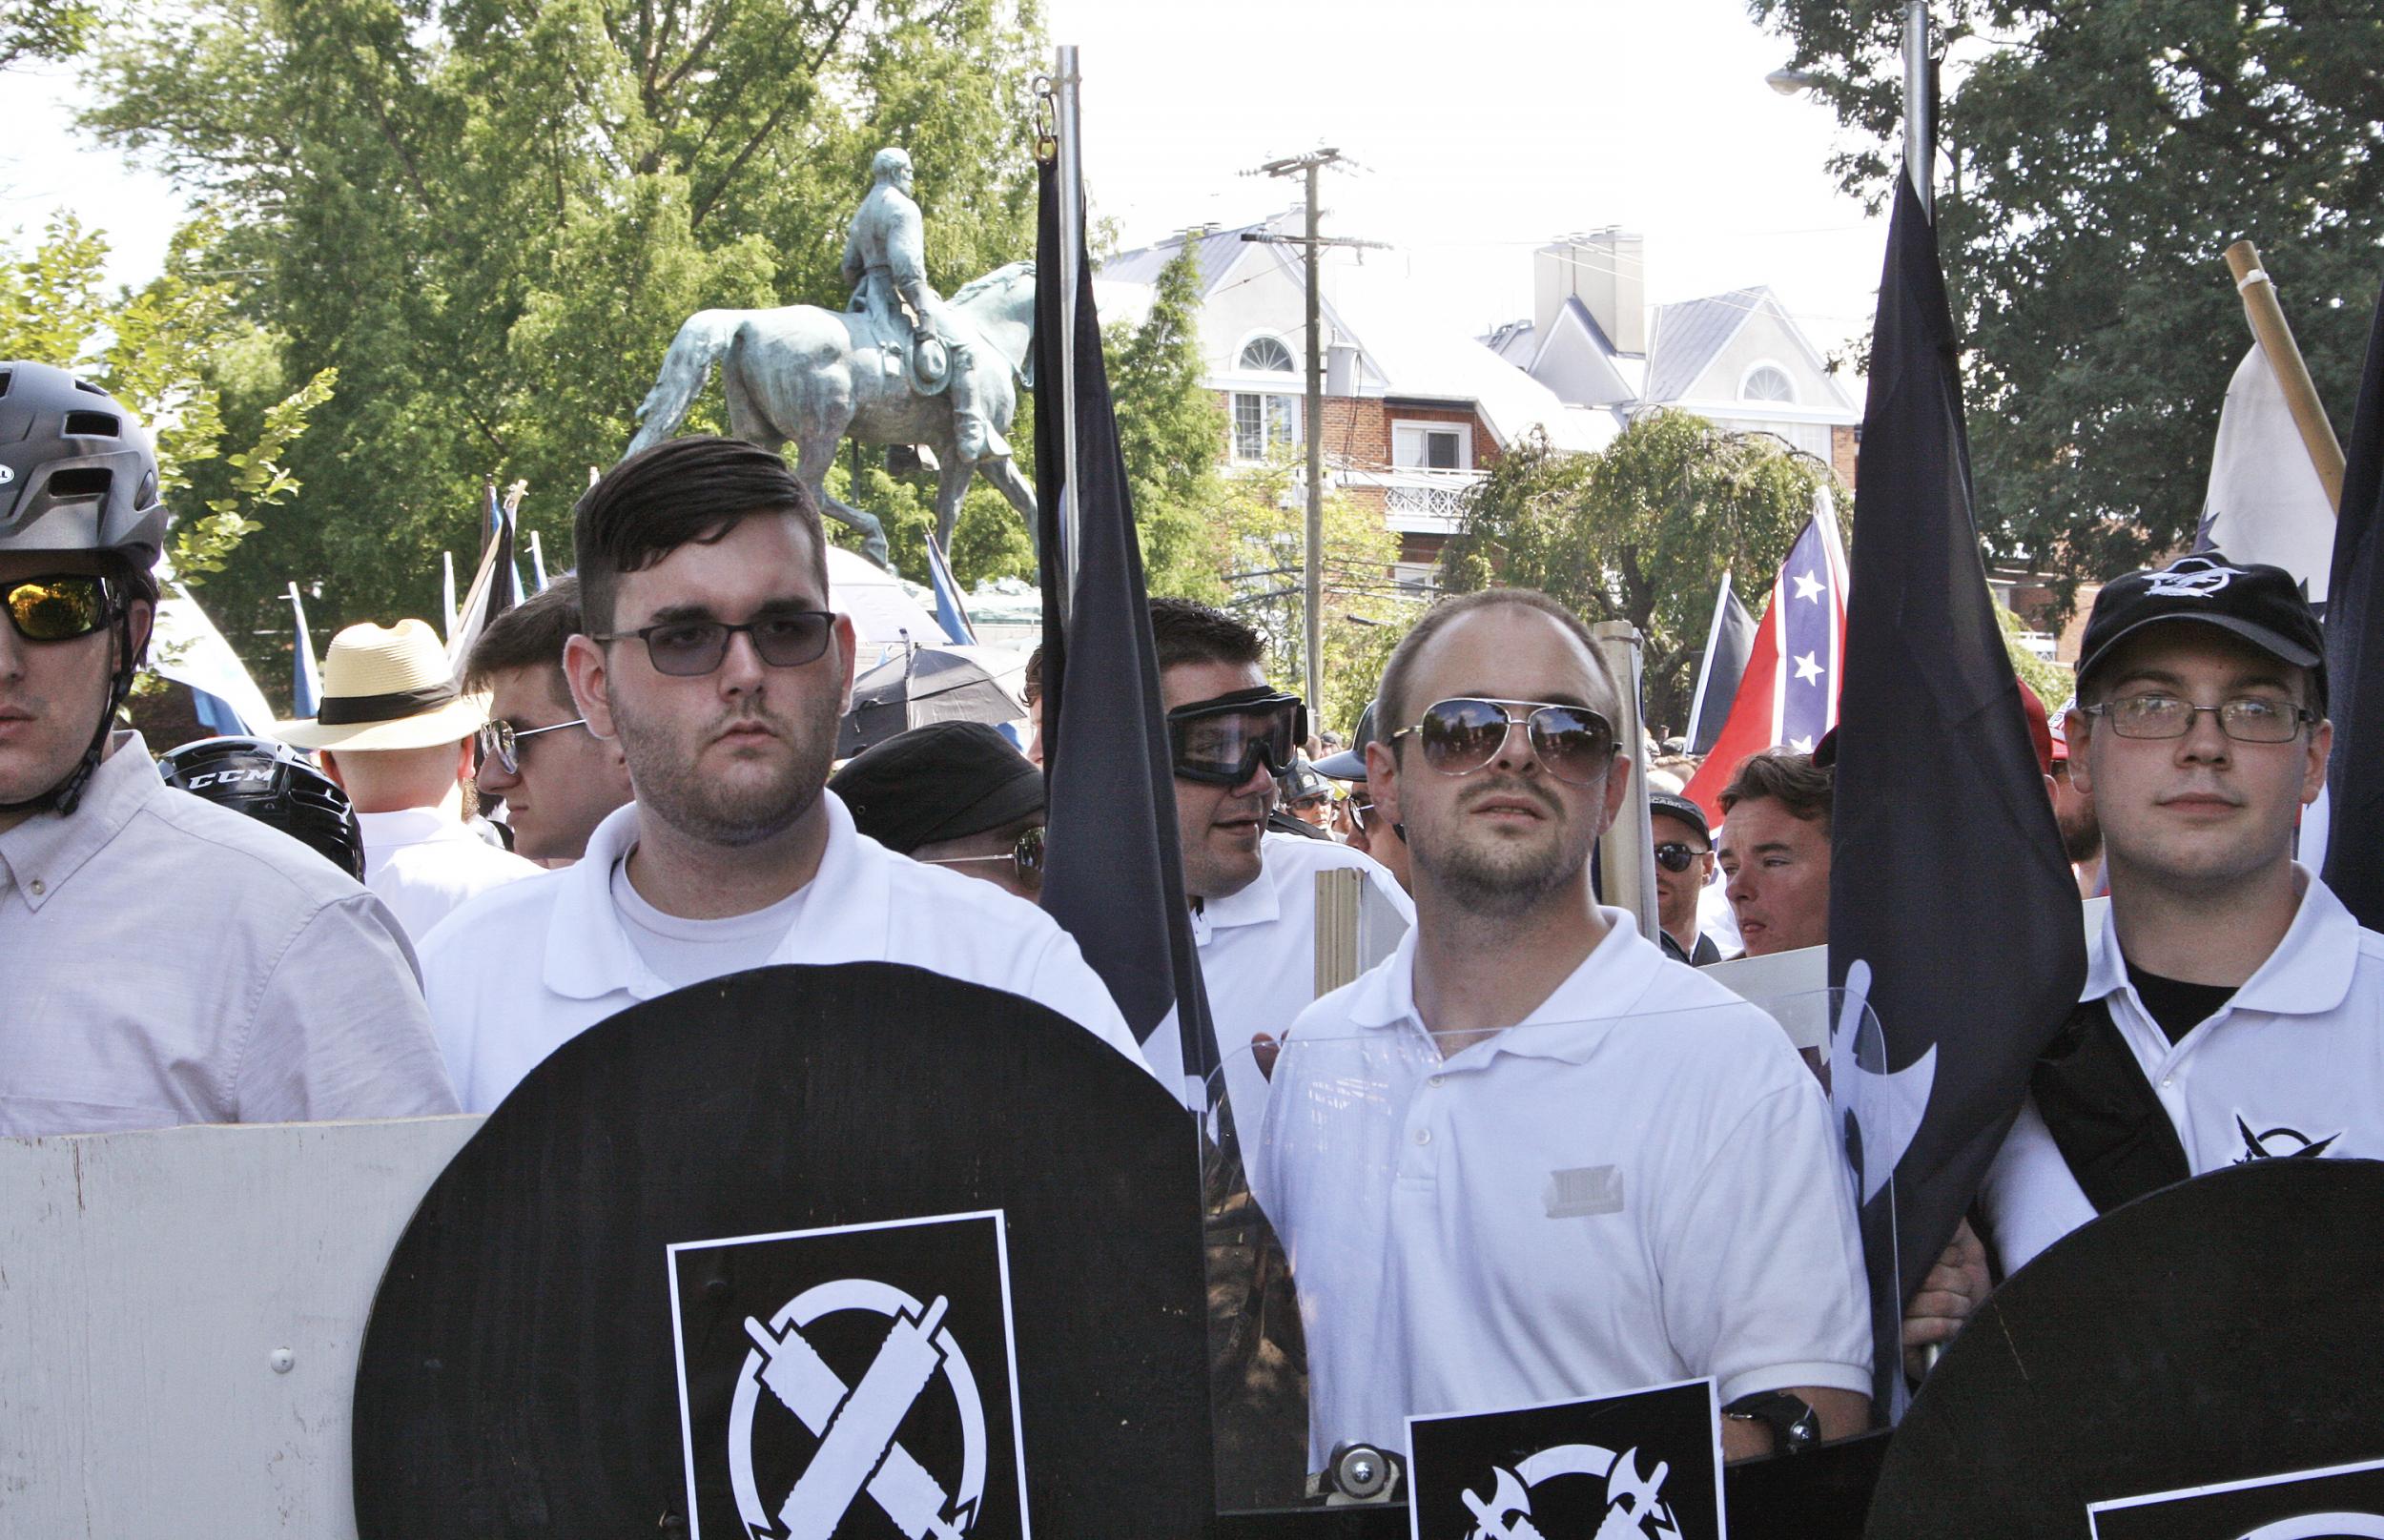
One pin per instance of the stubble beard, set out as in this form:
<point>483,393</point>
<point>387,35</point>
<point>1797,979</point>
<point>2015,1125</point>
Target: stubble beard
<point>749,812</point>
<point>1501,879</point>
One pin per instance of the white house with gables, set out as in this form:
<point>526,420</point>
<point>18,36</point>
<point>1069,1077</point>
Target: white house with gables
<point>1413,413</point>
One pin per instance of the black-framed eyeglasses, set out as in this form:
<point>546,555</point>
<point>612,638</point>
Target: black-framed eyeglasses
<point>685,648</point>
<point>59,607</point>
<point>1460,735</point>
<point>1223,742</point>
<point>1675,858</point>
<point>1025,859</point>
<point>2245,719</point>
<point>502,740</point>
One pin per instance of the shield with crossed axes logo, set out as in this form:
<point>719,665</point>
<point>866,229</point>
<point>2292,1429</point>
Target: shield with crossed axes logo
<point>1642,1465</point>
<point>869,1389</point>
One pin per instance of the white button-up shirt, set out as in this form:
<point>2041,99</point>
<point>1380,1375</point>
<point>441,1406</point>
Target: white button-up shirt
<point>1258,959</point>
<point>1636,1185</point>
<point>2292,1065</point>
<point>424,863</point>
<point>518,972</point>
<point>165,961</point>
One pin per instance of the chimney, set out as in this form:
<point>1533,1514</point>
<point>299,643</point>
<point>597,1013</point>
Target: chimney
<point>1605,270</point>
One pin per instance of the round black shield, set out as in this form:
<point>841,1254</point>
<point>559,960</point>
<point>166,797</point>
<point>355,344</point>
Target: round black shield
<point>2221,1330</point>
<point>800,1241</point>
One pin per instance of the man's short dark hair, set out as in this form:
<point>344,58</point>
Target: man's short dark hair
<point>1395,712</point>
<point>1188,631</point>
<point>680,492</point>
<point>1806,789</point>
<point>531,635</point>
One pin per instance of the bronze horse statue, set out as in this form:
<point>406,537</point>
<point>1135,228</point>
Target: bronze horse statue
<point>814,376</point>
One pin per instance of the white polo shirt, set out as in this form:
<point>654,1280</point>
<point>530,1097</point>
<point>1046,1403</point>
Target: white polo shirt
<point>164,961</point>
<point>1638,1184</point>
<point>1258,959</point>
<point>2293,1065</point>
<point>517,972</point>
<point>422,863</point>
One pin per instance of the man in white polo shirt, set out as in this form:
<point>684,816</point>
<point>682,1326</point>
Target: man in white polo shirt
<point>1529,1157</point>
<point>711,654</point>
<point>1253,893</point>
<point>2233,1009</point>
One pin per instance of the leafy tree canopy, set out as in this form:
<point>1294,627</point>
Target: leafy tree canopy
<point>491,216</point>
<point>33,29</point>
<point>2103,154</point>
<point>1642,532</point>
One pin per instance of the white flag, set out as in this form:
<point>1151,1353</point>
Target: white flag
<point>2266,502</point>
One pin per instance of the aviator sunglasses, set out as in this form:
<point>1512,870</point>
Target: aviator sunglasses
<point>502,740</point>
<point>1460,735</point>
<point>59,607</point>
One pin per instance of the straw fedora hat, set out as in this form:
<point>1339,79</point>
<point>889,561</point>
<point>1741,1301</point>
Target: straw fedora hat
<point>387,686</point>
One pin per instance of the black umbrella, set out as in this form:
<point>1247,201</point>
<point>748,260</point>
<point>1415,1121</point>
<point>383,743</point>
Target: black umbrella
<point>930,683</point>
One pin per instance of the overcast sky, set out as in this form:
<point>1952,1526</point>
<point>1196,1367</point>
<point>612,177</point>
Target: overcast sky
<point>1480,130</point>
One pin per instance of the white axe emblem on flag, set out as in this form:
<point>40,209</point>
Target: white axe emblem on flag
<point>1635,1508</point>
<point>857,1425</point>
<point>1884,1109</point>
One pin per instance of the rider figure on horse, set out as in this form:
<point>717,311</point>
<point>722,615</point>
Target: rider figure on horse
<point>885,259</point>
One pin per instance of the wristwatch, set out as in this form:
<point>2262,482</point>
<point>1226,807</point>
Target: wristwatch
<point>1796,1426</point>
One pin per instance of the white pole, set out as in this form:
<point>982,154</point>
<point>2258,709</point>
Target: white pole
<point>1071,261</point>
<point>446,593</point>
<point>1919,109</point>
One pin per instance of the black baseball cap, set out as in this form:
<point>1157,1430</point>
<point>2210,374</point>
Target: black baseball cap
<point>1672,805</point>
<point>1349,765</point>
<point>939,782</point>
<point>2261,603</point>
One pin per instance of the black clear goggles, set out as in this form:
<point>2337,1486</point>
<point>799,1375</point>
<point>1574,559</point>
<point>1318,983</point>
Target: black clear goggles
<point>1224,741</point>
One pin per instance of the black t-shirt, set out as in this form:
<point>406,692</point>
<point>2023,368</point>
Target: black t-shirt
<point>2178,1007</point>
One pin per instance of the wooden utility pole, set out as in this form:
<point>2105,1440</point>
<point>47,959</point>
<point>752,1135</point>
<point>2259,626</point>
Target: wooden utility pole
<point>1312,242</point>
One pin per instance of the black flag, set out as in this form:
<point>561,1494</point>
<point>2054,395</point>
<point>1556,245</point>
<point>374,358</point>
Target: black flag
<point>496,587</point>
<point>1116,873</point>
<point>2354,657</point>
<point>1948,887</point>
<point>1728,642</point>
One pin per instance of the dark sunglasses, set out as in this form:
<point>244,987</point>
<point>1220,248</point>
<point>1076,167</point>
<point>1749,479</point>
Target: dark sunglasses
<point>1459,736</point>
<point>685,648</point>
<point>1673,857</point>
<point>59,607</point>
<point>1224,742</point>
<point>502,740</point>
<point>1026,859</point>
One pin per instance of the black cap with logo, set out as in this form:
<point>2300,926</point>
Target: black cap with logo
<point>2263,604</point>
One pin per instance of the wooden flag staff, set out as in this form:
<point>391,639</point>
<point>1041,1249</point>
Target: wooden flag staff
<point>2284,356</point>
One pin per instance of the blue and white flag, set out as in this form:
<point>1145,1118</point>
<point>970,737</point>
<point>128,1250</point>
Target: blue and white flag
<point>950,613</point>
<point>306,680</point>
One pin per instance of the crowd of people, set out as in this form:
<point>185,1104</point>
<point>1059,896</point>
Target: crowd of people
<point>1532,1154</point>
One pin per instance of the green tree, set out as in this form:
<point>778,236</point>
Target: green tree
<point>44,30</point>
<point>1171,428</point>
<point>173,352</point>
<point>491,216</point>
<point>2105,153</point>
<point>1642,532</point>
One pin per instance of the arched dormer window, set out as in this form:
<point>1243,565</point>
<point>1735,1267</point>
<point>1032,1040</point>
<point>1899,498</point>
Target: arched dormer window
<point>1767,383</point>
<point>1267,354</point>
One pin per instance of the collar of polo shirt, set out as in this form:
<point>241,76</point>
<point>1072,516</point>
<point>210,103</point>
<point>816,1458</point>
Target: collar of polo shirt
<point>589,954</point>
<point>1606,987</point>
<point>2310,972</point>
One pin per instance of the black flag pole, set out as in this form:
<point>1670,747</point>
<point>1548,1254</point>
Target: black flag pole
<point>1951,903</point>
<point>2354,656</point>
<point>1115,877</point>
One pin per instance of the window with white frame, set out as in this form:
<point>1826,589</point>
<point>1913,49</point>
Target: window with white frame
<point>1767,383</point>
<point>1432,446</point>
<point>1262,423</point>
<point>1268,355</point>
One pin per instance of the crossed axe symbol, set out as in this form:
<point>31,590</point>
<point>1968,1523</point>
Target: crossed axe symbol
<point>857,1429</point>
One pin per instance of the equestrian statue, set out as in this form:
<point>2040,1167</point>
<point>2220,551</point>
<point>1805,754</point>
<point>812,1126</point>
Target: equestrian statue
<point>897,366</point>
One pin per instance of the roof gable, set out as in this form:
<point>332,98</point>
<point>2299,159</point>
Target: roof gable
<point>1218,252</point>
<point>1688,334</point>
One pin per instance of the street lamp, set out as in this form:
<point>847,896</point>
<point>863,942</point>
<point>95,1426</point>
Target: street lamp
<point>1788,82</point>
